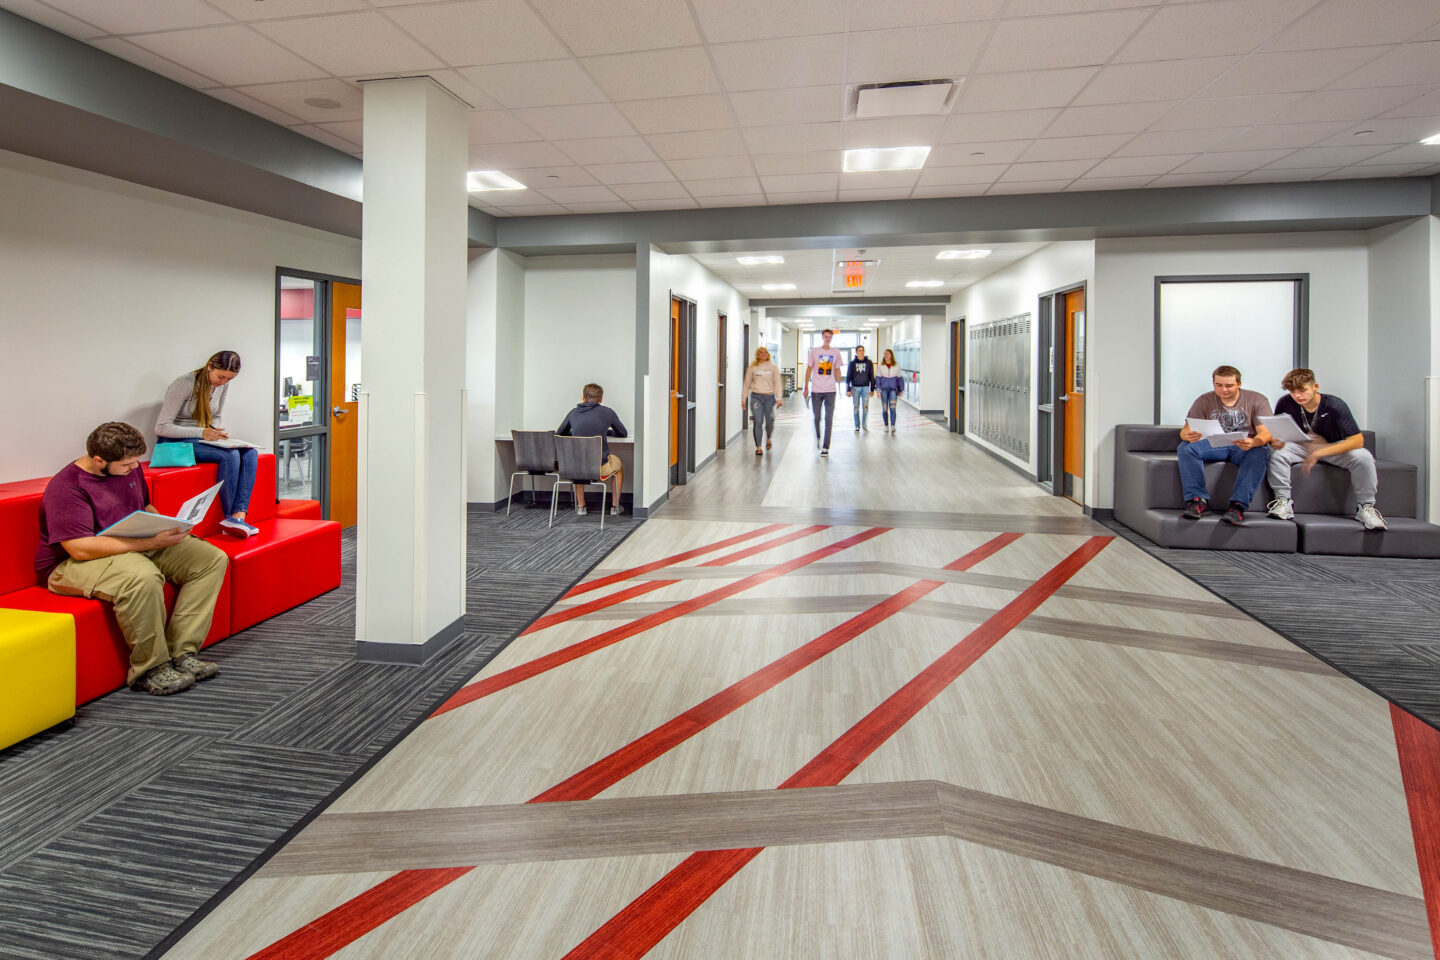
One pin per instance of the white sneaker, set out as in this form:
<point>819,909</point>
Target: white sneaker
<point>1368,515</point>
<point>1281,508</point>
<point>580,509</point>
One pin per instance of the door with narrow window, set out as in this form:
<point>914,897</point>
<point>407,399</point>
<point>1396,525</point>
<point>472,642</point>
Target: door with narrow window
<point>344,401</point>
<point>721,410</point>
<point>1074,365</point>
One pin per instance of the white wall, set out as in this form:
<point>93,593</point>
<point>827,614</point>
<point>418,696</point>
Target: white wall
<point>110,290</point>
<point>1120,384</point>
<point>934,363</point>
<point>495,367</point>
<point>1016,290</point>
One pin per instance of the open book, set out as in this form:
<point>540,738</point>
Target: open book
<point>229,444</point>
<point>1212,431</point>
<point>142,523</point>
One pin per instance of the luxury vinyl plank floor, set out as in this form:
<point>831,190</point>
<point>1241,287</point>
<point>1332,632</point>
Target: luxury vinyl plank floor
<point>1058,747</point>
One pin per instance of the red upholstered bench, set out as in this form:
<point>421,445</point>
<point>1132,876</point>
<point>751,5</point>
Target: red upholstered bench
<point>297,509</point>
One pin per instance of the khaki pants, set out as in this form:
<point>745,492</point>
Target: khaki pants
<point>135,584</point>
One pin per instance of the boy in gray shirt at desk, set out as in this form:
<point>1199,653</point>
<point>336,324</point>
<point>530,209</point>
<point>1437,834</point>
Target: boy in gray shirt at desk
<point>591,418</point>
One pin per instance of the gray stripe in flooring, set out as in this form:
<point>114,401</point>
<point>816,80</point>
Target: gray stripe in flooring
<point>923,519</point>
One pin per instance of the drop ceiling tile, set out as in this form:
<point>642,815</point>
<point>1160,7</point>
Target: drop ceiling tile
<point>607,150</point>
<point>1041,8</point>
<point>1359,104</point>
<point>914,53</point>
<point>612,174</point>
<point>1028,186</point>
<point>1139,166</point>
<point>575,122</point>
<point>612,207</point>
<point>250,10</point>
<point>747,200</point>
<point>143,16</point>
<point>1231,161</point>
<point>724,187</point>
<point>233,55</point>
<point>1107,118</point>
<point>1263,73</point>
<point>813,196</point>
<point>350,130</point>
<point>464,89</point>
<point>324,136</point>
<point>48,16</point>
<point>141,57</point>
<point>945,176</point>
<point>713,168</point>
<point>1198,114</point>
<point>509,199</point>
<point>891,132</point>
<point>348,44</point>
<point>782,164</point>
<point>667,190</point>
<point>569,195</point>
<point>1049,170</point>
<point>1162,142</point>
<point>772,64</point>
<point>1344,23</point>
<point>1277,175</point>
<point>1424,106</point>
<point>675,203</point>
<point>537,210</point>
<point>290,98</point>
<point>1214,29</point>
<point>879,180</point>
<point>855,196</point>
<point>1411,63</point>
<point>542,83</point>
<point>1370,171</point>
<point>979,153</point>
<point>1273,136</point>
<point>1431,34</point>
<point>699,143</point>
<point>794,138</point>
<point>1410,153</point>
<point>498,126</point>
<point>1331,157</point>
<point>505,156</point>
<point>678,114</point>
<point>800,182</point>
<point>480,31</point>
<point>250,105</point>
<point>950,190</point>
<point>1399,130</point>
<point>1189,180</point>
<point>619,26</point>
<point>640,76</point>
<point>885,14</point>
<point>758,108</point>
<point>1109,183</point>
<point>1075,148</point>
<point>723,21</point>
<point>1164,80</point>
<point>1022,91</point>
<point>1003,125</point>
<point>546,179</point>
<point>1068,40</point>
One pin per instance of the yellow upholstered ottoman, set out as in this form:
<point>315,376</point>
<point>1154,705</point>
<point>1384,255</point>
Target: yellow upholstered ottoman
<point>37,672</point>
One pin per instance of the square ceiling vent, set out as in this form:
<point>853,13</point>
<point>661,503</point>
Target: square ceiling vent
<point>903,98</point>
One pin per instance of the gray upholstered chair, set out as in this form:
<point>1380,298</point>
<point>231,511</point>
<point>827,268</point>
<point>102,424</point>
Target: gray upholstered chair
<point>534,457</point>
<point>580,459</point>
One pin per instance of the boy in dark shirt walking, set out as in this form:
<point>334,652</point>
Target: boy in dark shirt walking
<point>591,418</point>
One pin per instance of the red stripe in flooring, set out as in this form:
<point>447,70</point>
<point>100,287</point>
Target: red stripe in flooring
<point>649,918</point>
<point>508,678</point>
<point>617,766</point>
<point>629,593</point>
<point>669,561</point>
<point>1418,745</point>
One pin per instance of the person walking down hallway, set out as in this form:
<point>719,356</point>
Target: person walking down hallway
<point>859,381</point>
<point>762,392</point>
<point>820,368</point>
<point>889,381</point>
<point>191,413</point>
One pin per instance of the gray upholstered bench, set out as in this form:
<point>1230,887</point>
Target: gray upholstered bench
<point>1148,500</point>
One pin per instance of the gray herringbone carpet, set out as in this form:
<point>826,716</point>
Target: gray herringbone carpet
<point>115,830</point>
<point>1376,620</point>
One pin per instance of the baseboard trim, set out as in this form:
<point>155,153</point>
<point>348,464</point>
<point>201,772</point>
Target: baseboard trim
<point>543,497</point>
<point>643,512</point>
<point>409,654</point>
<point>1100,514</point>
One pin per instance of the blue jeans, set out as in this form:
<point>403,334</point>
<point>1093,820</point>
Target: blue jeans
<point>862,405</point>
<point>1194,456</point>
<point>235,468</point>
<point>887,406</point>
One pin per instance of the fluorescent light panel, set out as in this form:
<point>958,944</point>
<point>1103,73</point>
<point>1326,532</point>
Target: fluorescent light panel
<point>779,286</point>
<point>885,158</point>
<point>962,254</point>
<point>926,283</point>
<point>752,261</point>
<point>478,180</point>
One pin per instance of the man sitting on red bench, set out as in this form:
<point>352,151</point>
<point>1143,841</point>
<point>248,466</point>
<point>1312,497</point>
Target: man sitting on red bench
<point>87,496</point>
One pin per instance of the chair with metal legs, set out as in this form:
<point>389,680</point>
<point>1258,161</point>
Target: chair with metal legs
<point>534,457</point>
<point>580,460</point>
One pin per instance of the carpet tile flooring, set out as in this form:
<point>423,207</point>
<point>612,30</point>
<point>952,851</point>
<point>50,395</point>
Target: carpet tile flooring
<point>116,829</point>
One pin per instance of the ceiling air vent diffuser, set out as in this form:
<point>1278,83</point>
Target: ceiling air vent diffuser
<point>903,98</point>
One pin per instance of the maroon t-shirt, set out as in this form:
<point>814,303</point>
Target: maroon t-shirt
<point>79,504</point>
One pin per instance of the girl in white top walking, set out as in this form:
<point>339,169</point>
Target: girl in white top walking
<point>762,391</point>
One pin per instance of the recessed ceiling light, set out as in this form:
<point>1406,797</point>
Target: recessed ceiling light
<point>779,286</point>
<point>323,103</point>
<point>962,254</point>
<point>477,180</point>
<point>926,283</point>
<point>885,158</point>
<point>1432,141</point>
<point>751,261</point>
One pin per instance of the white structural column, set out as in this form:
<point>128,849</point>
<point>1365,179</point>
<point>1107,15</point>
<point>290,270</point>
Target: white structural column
<point>411,596</point>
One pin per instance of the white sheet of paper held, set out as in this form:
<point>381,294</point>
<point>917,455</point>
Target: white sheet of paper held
<point>1212,431</point>
<point>1284,427</point>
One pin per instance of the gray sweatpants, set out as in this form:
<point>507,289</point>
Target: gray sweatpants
<point>1360,463</point>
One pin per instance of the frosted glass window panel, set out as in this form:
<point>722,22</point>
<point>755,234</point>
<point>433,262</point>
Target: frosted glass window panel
<point>1248,324</point>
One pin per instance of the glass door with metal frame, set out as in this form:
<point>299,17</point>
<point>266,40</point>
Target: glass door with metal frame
<point>301,390</point>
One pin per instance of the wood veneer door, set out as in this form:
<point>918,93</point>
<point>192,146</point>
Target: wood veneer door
<point>674,387</point>
<point>1074,460</point>
<point>344,410</point>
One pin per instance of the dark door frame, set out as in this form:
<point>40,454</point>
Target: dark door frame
<point>684,466</point>
<point>1052,303</point>
<point>722,375</point>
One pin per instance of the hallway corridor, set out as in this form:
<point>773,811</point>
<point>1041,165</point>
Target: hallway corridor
<point>898,703</point>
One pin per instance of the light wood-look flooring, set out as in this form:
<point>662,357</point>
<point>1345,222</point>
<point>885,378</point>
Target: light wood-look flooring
<point>1000,732</point>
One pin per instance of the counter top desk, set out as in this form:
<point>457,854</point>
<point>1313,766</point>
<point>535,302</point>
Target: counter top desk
<point>622,447</point>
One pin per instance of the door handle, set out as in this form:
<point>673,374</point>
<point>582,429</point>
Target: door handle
<point>1063,398</point>
<point>338,412</point>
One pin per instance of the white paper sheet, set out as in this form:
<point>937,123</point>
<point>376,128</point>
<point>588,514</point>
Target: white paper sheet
<point>1284,427</point>
<point>1212,431</point>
